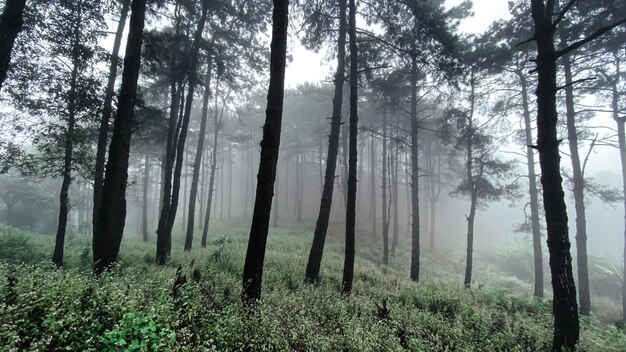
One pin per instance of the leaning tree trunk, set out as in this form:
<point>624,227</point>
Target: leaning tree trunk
<point>565,307</point>
<point>11,22</point>
<point>112,214</point>
<point>164,233</point>
<point>197,165</point>
<point>579,188</point>
<point>348,264</point>
<point>107,109</point>
<point>532,190</point>
<point>255,255</point>
<point>64,201</point>
<point>321,225</point>
<point>415,214</point>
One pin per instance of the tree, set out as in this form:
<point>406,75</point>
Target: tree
<point>107,110</point>
<point>111,218</point>
<point>321,225</point>
<point>11,22</point>
<point>255,254</point>
<point>565,307</point>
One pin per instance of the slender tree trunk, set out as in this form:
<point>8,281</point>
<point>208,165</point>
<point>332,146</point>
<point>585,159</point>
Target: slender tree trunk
<point>321,225</point>
<point>470,239</point>
<point>164,234</point>
<point>373,183</point>
<point>621,136</point>
<point>270,145</point>
<point>384,188</point>
<point>11,22</point>
<point>472,181</point>
<point>276,199</point>
<point>112,213</point>
<point>301,166</point>
<point>348,265</point>
<point>64,201</point>
<point>213,167</point>
<point>394,192</point>
<point>146,184</point>
<point>230,177</point>
<point>197,164</point>
<point>565,308</point>
<point>415,213</point>
<point>579,189</point>
<point>532,190</point>
<point>107,108</point>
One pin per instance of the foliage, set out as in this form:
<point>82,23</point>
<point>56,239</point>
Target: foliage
<point>139,307</point>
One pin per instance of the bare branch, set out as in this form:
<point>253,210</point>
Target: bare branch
<point>591,37</point>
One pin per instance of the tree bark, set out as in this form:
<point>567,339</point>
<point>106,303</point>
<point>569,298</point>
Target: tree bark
<point>565,307</point>
<point>472,181</point>
<point>415,214</point>
<point>11,22</point>
<point>197,164</point>
<point>164,233</point>
<point>107,110</point>
<point>394,196</point>
<point>384,189</point>
<point>112,213</point>
<point>532,190</point>
<point>321,225</point>
<point>348,264</point>
<point>64,201</point>
<point>255,255</point>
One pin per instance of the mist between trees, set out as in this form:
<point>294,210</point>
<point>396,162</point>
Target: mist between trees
<point>492,150</point>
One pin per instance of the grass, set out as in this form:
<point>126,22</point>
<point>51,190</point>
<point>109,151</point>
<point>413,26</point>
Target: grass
<point>138,306</point>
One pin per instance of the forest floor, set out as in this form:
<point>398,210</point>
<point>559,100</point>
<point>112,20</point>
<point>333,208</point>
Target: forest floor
<point>140,306</point>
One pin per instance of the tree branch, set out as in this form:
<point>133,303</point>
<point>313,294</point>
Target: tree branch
<point>591,37</point>
<point>563,12</point>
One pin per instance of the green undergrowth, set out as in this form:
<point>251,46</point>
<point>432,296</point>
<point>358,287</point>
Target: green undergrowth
<point>139,306</point>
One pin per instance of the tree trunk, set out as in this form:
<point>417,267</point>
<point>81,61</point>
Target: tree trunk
<point>394,196</point>
<point>112,213</point>
<point>64,201</point>
<point>11,22</point>
<point>197,164</point>
<point>532,190</point>
<point>213,167</point>
<point>255,255</point>
<point>321,225</point>
<point>621,135</point>
<point>107,109</point>
<point>146,184</point>
<point>470,239</point>
<point>579,188</point>
<point>384,189</point>
<point>565,308</point>
<point>472,181</point>
<point>164,233</point>
<point>415,213</point>
<point>348,264</point>
<point>373,183</point>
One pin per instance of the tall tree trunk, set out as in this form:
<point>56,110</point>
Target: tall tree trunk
<point>197,164</point>
<point>565,307</point>
<point>164,233</point>
<point>373,183</point>
<point>230,177</point>
<point>579,188</point>
<point>394,195</point>
<point>11,22</point>
<point>64,201</point>
<point>321,225</point>
<point>470,238</point>
<point>213,167</point>
<point>532,190</point>
<point>270,145</point>
<point>112,213</point>
<point>276,199</point>
<point>107,110</point>
<point>384,188</point>
<point>621,136</point>
<point>348,264</point>
<point>146,184</point>
<point>415,213</point>
<point>472,181</point>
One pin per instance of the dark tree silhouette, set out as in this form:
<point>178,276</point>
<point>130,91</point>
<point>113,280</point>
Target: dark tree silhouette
<point>255,255</point>
<point>11,22</point>
<point>108,232</point>
<point>321,226</point>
